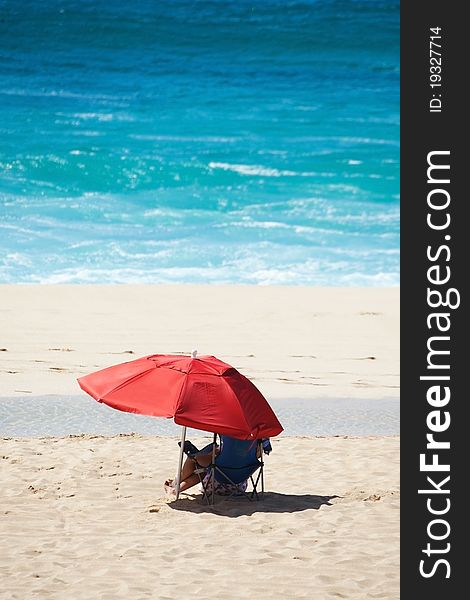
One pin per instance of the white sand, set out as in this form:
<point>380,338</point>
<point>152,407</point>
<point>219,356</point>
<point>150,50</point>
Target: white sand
<point>86,518</point>
<point>292,342</point>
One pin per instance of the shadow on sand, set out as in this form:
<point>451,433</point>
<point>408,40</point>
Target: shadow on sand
<point>272,502</point>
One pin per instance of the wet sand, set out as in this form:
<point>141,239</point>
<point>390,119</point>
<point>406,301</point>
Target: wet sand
<point>64,415</point>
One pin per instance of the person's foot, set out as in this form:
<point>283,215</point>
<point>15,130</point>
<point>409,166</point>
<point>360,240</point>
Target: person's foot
<point>169,488</point>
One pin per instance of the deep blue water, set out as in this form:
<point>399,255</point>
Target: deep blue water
<point>222,141</point>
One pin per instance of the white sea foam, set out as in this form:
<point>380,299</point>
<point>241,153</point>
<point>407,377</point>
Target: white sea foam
<point>257,170</point>
<point>116,249</point>
<point>35,93</point>
<point>83,244</point>
<point>273,152</point>
<point>342,187</point>
<point>248,223</point>
<point>184,138</point>
<point>103,117</point>
<point>87,133</point>
<point>346,140</point>
<point>27,231</point>
<point>16,259</point>
<point>263,263</point>
<point>308,108</point>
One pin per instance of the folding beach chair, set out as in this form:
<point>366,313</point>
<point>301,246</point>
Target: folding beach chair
<point>237,462</point>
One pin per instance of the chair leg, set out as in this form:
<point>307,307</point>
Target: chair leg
<point>254,493</point>
<point>245,494</point>
<point>208,488</point>
<point>255,484</point>
<point>199,471</point>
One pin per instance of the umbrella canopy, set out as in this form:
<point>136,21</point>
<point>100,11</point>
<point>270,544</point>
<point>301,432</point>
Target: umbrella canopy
<point>200,392</point>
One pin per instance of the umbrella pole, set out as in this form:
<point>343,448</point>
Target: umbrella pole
<point>180,462</point>
<point>213,465</point>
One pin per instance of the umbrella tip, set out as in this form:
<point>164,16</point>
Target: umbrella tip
<point>194,354</point>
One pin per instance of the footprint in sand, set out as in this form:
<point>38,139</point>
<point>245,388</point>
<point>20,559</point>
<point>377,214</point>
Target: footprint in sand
<point>61,350</point>
<point>360,383</point>
<point>372,498</point>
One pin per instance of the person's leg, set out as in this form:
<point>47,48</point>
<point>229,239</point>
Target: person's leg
<point>188,468</point>
<point>188,477</point>
<point>190,465</point>
<point>189,482</point>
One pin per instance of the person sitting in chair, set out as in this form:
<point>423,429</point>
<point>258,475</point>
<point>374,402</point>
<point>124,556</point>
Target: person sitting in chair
<point>196,467</point>
<point>193,470</point>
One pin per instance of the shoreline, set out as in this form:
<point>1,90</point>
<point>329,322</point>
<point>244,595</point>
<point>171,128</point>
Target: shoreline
<point>35,416</point>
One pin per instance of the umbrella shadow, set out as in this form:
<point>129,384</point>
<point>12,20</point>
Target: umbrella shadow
<point>272,502</point>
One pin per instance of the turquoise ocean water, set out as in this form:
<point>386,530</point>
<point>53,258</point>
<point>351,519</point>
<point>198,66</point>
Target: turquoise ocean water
<point>204,142</point>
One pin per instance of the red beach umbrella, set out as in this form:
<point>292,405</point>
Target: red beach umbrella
<point>201,392</point>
